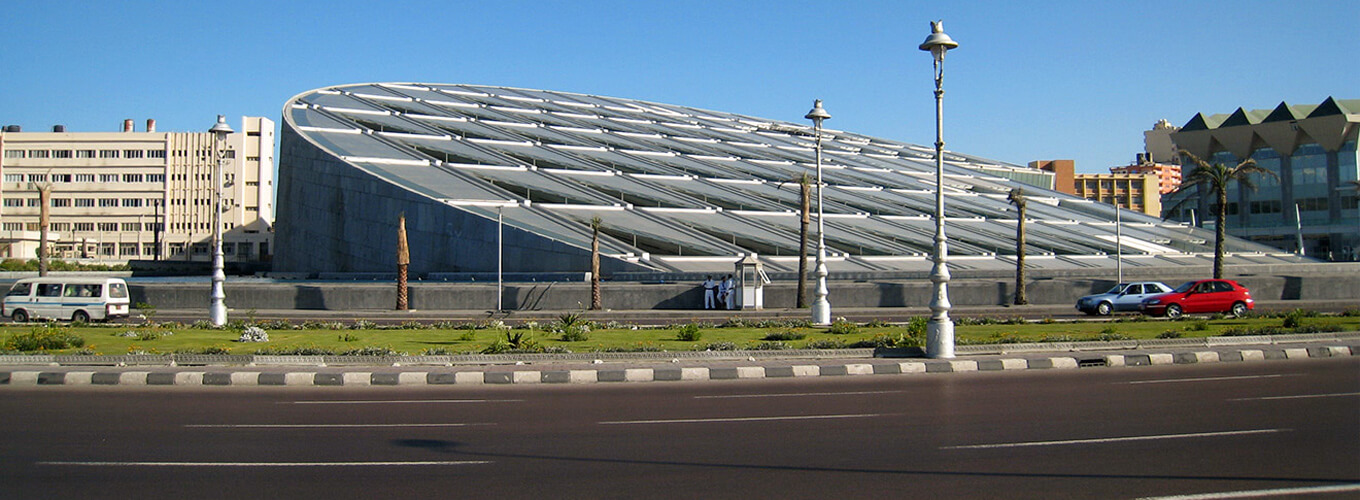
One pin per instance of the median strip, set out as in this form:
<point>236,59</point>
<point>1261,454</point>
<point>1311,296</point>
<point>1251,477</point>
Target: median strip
<point>1112,440</point>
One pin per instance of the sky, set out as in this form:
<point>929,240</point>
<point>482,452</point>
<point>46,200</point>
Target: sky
<point>1030,81</point>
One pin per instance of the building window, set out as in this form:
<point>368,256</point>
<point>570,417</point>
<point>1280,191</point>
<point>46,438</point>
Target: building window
<point>61,153</point>
<point>132,202</point>
<point>61,202</point>
<point>15,153</point>
<point>228,248</point>
<point>83,226</point>
<point>61,177</point>
<point>148,249</point>
<point>127,249</point>
<point>155,177</point>
<point>60,226</point>
<point>106,249</point>
<point>39,153</point>
<point>83,178</point>
<point>200,249</point>
<point>132,226</point>
<point>132,177</point>
<point>14,177</point>
<point>14,226</point>
<point>37,177</point>
<point>84,153</point>
<point>253,158</point>
<point>32,226</point>
<point>108,202</point>
<point>14,202</point>
<point>107,178</point>
<point>108,153</point>
<point>84,202</point>
<point>108,226</point>
<point>34,202</point>
<point>155,153</point>
<point>133,153</point>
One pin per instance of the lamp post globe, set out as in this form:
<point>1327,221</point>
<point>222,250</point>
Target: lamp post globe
<point>217,307</point>
<point>940,329</point>
<point>821,307</point>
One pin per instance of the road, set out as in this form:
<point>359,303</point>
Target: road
<point>1286,426</point>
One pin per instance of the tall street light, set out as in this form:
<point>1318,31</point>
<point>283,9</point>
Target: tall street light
<point>940,329</point>
<point>217,307</point>
<point>821,308</point>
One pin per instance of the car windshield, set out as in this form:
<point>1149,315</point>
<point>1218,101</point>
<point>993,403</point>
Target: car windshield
<point>1117,288</point>
<point>1185,287</point>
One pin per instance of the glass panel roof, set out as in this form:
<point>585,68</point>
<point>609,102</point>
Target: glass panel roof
<point>684,184</point>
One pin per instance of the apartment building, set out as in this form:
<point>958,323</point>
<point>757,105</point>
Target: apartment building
<point>136,195</point>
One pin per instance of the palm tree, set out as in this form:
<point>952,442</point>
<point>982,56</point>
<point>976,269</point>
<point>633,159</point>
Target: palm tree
<point>1217,176</point>
<point>1017,198</point>
<point>805,188</point>
<point>595,299</point>
<point>403,262</point>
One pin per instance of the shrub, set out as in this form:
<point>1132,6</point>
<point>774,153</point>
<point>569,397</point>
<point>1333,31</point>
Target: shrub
<point>1350,313</point>
<point>310,350</point>
<point>436,351</point>
<point>372,351</point>
<point>43,338</point>
<point>1294,319</point>
<point>414,325</point>
<point>785,335</point>
<point>1005,338</point>
<point>842,327</point>
<point>1169,334</point>
<point>253,334</point>
<point>468,335</point>
<point>576,333</point>
<point>348,337</point>
<point>1198,326</point>
<point>1109,337</point>
<point>916,326</point>
<point>363,324</point>
<point>204,324</point>
<point>718,346</point>
<point>877,323</point>
<point>771,346</point>
<point>689,333</point>
<point>1109,330</point>
<point>276,324</point>
<point>322,325</point>
<point>825,344</point>
<point>734,322</point>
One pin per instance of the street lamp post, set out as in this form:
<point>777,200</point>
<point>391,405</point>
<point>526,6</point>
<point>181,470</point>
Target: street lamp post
<point>821,307</point>
<point>940,329</point>
<point>217,307</point>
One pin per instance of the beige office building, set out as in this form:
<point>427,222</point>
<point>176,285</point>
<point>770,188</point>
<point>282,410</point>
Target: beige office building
<point>1130,191</point>
<point>148,195</point>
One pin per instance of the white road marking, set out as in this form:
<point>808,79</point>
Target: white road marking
<point>319,426</point>
<point>800,394</point>
<point>1205,379</point>
<point>265,464</point>
<point>1301,396</point>
<point>400,401</point>
<point>1112,440</point>
<point>1306,490</point>
<point>737,419</point>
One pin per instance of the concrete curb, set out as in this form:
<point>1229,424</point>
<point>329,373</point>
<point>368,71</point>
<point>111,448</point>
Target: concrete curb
<point>321,376</point>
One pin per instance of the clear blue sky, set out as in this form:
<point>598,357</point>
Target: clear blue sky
<point>1041,80</point>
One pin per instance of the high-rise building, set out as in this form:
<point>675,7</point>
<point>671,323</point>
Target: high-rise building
<point>120,196</point>
<point>1168,175</point>
<point>1310,150</point>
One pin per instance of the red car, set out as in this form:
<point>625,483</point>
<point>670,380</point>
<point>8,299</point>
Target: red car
<point>1203,296</point>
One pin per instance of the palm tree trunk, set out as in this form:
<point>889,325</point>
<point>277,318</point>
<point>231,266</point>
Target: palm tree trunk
<point>1220,230</point>
<point>1020,296</point>
<point>403,261</point>
<point>803,242</point>
<point>596,301</point>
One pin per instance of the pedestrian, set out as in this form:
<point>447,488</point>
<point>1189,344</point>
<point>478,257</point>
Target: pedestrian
<point>709,289</point>
<point>731,297</point>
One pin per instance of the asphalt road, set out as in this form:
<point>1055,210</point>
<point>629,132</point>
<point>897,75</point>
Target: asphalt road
<point>1286,426</point>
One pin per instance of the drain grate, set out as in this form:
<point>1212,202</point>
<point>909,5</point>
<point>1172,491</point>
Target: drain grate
<point>1092,362</point>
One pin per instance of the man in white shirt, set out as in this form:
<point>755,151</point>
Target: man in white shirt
<point>730,296</point>
<point>709,289</point>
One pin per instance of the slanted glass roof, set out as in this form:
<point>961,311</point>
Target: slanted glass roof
<point>691,190</point>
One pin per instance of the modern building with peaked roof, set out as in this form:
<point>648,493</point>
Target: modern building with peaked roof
<point>506,178</point>
<point>1310,149</point>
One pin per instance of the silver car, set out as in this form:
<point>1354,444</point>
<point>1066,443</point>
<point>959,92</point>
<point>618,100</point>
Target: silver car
<point>1122,297</point>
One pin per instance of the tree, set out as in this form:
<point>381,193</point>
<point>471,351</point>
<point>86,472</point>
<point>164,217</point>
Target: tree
<point>1218,176</point>
<point>1017,198</point>
<point>595,299</point>
<point>403,261</point>
<point>805,188</point>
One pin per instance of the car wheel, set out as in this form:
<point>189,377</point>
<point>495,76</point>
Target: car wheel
<point>1104,308</point>
<point>1239,310</point>
<point>1174,311</point>
<point>80,317</point>
<point>20,316</point>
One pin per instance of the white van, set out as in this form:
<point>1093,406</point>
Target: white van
<point>74,298</point>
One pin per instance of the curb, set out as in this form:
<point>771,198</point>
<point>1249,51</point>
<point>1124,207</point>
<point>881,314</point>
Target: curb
<point>321,377</point>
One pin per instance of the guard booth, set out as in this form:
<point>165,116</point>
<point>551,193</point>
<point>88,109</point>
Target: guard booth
<point>751,281</point>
